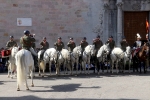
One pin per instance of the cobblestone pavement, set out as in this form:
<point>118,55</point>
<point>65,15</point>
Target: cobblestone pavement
<point>105,86</point>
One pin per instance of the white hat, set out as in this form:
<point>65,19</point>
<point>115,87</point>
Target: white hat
<point>146,34</point>
<point>138,35</point>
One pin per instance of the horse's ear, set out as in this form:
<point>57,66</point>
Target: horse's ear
<point>107,44</point>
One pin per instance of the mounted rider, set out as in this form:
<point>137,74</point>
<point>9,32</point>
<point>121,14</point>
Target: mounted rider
<point>137,44</point>
<point>98,43</point>
<point>44,46</point>
<point>9,45</point>
<point>27,42</point>
<point>33,44</point>
<point>124,44</point>
<point>111,45</point>
<point>59,45</point>
<point>71,45</point>
<point>83,44</point>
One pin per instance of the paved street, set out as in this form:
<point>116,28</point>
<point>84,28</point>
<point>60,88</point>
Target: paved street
<point>83,87</point>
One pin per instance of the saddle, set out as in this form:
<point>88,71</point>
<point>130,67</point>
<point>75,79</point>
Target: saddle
<point>134,52</point>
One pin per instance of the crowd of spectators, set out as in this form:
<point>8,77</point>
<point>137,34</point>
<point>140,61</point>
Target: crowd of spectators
<point>3,68</point>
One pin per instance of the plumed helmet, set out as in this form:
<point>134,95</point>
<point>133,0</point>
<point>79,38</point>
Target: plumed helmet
<point>11,36</point>
<point>59,37</point>
<point>111,36</point>
<point>71,38</point>
<point>26,32</point>
<point>98,36</point>
<point>84,38</point>
<point>138,35</point>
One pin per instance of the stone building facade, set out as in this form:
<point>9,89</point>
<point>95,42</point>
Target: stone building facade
<point>73,18</point>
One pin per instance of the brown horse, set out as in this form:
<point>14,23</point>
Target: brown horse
<point>139,59</point>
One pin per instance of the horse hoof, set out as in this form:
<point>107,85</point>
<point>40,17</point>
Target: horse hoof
<point>8,76</point>
<point>32,85</point>
<point>39,74</point>
<point>18,89</point>
<point>11,77</point>
<point>27,89</point>
<point>42,75</point>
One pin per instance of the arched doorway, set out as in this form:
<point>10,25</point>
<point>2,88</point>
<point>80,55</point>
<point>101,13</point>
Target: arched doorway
<point>135,22</point>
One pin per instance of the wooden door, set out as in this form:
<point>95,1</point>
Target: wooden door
<point>134,22</point>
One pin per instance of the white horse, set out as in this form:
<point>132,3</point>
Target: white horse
<point>87,53</point>
<point>12,65</point>
<point>127,57</point>
<point>116,55</point>
<point>102,55</point>
<point>63,58</point>
<point>25,65</point>
<point>49,56</point>
<point>77,51</point>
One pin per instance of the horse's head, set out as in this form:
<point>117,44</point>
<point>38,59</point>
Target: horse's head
<point>106,49</point>
<point>128,51</point>
<point>92,50</point>
<point>145,48</point>
<point>78,50</point>
<point>14,51</point>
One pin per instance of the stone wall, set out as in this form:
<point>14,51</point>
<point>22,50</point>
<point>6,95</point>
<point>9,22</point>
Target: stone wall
<point>51,18</point>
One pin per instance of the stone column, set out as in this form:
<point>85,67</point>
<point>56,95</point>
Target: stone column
<point>105,22</point>
<point>119,22</point>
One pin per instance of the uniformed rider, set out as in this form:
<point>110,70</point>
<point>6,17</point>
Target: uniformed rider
<point>83,44</point>
<point>11,43</point>
<point>44,45</point>
<point>71,45</point>
<point>27,42</point>
<point>137,44</point>
<point>98,43</point>
<point>111,45</point>
<point>124,44</point>
<point>59,45</point>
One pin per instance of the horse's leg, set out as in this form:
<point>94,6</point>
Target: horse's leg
<point>124,64</point>
<point>129,65</point>
<point>89,64</point>
<point>50,67</point>
<point>43,73</point>
<point>18,88</point>
<point>140,66</point>
<point>81,67</point>
<point>65,68</point>
<point>144,66</point>
<point>11,70</point>
<point>117,67</point>
<point>32,85</point>
<point>39,67</point>
<point>27,88</point>
<point>71,67</point>
<point>77,64</point>
<point>112,66</point>
<point>84,66</point>
<point>8,71</point>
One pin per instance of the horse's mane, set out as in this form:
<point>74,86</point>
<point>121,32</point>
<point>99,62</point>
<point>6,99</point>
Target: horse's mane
<point>77,48</point>
<point>100,51</point>
<point>87,48</point>
<point>14,51</point>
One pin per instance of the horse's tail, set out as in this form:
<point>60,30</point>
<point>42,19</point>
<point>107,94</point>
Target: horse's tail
<point>42,65</point>
<point>21,68</point>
